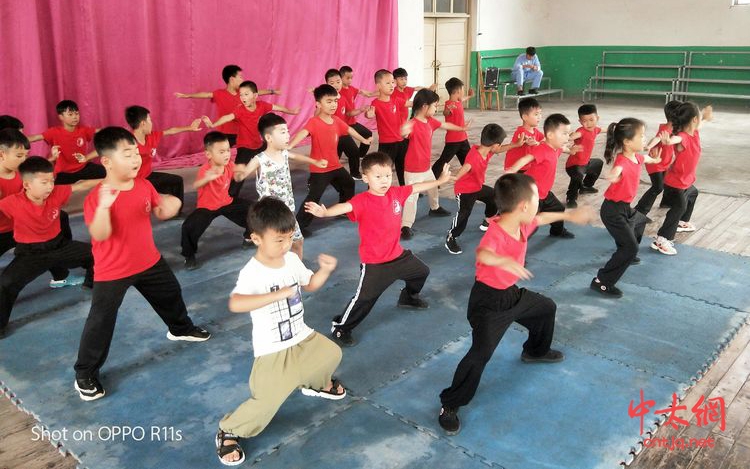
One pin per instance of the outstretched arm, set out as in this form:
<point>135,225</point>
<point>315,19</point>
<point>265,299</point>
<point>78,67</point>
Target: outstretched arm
<point>445,177</point>
<point>193,127</point>
<point>321,211</point>
<point>523,161</point>
<point>286,110</point>
<point>327,263</point>
<point>580,216</point>
<point>488,257</point>
<point>198,95</point>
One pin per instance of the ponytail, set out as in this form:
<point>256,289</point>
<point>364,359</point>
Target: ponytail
<point>609,147</point>
<point>683,115</point>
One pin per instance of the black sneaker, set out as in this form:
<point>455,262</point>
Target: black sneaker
<point>520,93</point>
<point>191,263</point>
<point>448,420</point>
<point>439,212</point>
<point>485,225</point>
<point>636,261</point>
<point>571,204</point>
<point>196,334</point>
<point>406,233</point>
<point>89,389</point>
<point>247,243</point>
<point>588,190</point>
<point>452,245</point>
<point>343,338</point>
<point>356,176</point>
<point>606,290</point>
<point>405,300</point>
<point>4,332</point>
<point>533,91</point>
<point>565,234</point>
<point>552,356</point>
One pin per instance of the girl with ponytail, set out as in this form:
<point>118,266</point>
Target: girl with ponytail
<point>625,141</point>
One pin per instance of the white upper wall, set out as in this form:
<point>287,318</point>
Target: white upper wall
<point>511,23</point>
<point>411,38</point>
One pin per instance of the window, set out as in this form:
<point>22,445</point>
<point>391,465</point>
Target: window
<point>740,2</point>
<point>447,7</point>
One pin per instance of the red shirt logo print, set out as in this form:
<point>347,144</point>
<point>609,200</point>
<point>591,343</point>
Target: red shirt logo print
<point>80,142</point>
<point>148,205</point>
<point>54,213</point>
<point>396,207</point>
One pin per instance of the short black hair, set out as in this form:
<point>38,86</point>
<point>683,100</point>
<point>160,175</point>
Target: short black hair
<point>587,110</point>
<point>106,140</point>
<point>332,72</point>
<point>381,73</point>
<point>345,69</point>
<point>492,134</point>
<point>214,137</point>
<point>229,71</point>
<point>10,122</point>
<point>249,84</point>
<point>66,105</point>
<point>134,115</point>
<point>553,121</point>
<point>324,91</point>
<point>33,165</point>
<point>531,50</point>
<point>525,105</point>
<point>670,109</point>
<point>267,122</point>
<point>270,213</point>
<point>453,85</point>
<point>13,138</point>
<point>376,158</point>
<point>511,189</point>
<point>400,73</point>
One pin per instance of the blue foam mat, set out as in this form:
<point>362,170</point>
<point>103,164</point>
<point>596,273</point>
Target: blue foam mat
<point>676,312</point>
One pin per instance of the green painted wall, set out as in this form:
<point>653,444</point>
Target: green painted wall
<point>570,67</point>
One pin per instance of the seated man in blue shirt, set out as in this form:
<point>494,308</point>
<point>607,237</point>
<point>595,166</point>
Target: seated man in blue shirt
<point>527,68</point>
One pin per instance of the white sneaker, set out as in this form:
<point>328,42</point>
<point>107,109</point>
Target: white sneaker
<point>664,246</point>
<point>685,227</point>
<point>485,225</point>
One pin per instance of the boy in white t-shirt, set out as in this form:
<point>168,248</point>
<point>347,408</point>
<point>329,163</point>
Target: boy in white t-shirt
<point>288,354</point>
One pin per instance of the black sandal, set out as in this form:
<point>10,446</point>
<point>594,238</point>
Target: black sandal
<point>222,449</point>
<point>332,394</point>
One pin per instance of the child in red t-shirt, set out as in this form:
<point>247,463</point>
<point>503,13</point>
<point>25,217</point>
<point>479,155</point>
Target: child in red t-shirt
<point>456,143</point>
<point>227,99</point>
<point>249,142</point>
<point>624,223</point>
<point>495,301</point>
<point>583,171</point>
<point>73,162</point>
<point>351,93</point>
<point>325,131</point>
<point>470,186</point>
<point>531,114</point>
<point>664,141</point>
<point>34,216</point>
<point>139,119</point>
<point>390,113</point>
<point>542,165</point>
<point>212,183</point>
<point>14,149</point>
<point>405,92</point>
<point>378,213</point>
<point>118,214</point>
<point>678,182</point>
<point>417,162</point>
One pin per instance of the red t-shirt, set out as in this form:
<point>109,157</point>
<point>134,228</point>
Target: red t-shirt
<point>226,103</point>
<point>626,188</point>
<point>9,187</point>
<point>501,243</point>
<point>515,154</point>
<point>325,141</point>
<point>456,118</point>
<point>418,155</point>
<point>248,135</point>
<point>148,152</point>
<point>667,152</point>
<point>474,179</point>
<point>587,140</point>
<point>76,141</point>
<point>215,194</point>
<point>681,174</point>
<point>351,95</point>
<point>405,95</point>
<point>35,223</point>
<point>379,219</point>
<point>389,119</point>
<point>344,106</point>
<point>543,168</point>
<point>130,248</point>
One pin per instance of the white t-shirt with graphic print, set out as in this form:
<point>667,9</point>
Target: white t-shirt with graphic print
<point>281,324</point>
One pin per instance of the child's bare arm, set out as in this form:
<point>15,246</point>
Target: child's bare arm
<point>356,136</point>
<point>321,211</point>
<point>35,137</point>
<point>220,121</point>
<point>193,127</point>
<point>209,176</point>
<point>370,112</point>
<point>580,216</point>
<point>469,95</point>
<point>269,91</point>
<point>454,127</point>
<point>445,177</point>
<point>308,160</point>
<point>243,173</point>
<point>523,161</point>
<point>239,303</point>
<point>327,264</point>
<point>286,110</point>
<point>301,135</point>
<point>198,95</point>
<point>464,170</point>
<point>488,257</point>
<point>100,228</point>
<point>84,185</point>
<point>168,207</point>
